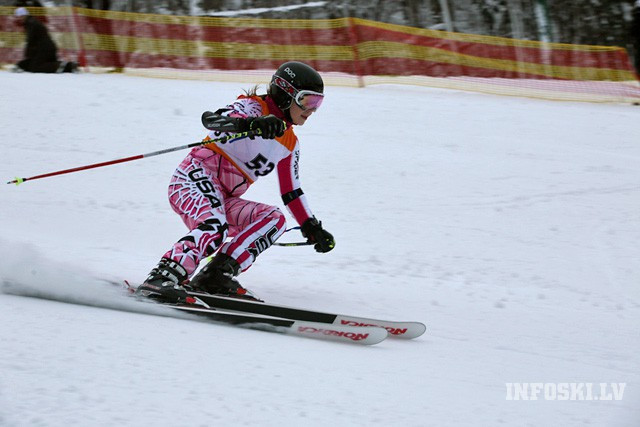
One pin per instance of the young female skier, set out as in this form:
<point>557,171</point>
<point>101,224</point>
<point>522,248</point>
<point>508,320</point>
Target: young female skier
<point>206,187</point>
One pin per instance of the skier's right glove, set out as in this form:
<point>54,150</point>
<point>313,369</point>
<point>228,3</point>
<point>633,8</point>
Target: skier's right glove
<point>270,126</point>
<point>322,239</point>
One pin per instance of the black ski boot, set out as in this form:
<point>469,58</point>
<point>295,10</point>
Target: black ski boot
<point>218,278</point>
<point>165,282</point>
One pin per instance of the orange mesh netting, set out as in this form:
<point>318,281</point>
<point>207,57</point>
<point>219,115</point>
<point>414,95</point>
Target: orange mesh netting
<point>346,50</point>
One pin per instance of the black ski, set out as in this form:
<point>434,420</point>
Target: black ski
<point>351,334</point>
<point>198,307</point>
<point>406,330</point>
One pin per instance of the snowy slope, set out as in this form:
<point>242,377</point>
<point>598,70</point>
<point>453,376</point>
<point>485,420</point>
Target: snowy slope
<point>509,226</point>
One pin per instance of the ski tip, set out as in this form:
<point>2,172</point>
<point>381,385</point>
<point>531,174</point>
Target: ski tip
<point>375,336</point>
<point>368,335</point>
<point>396,330</point>
<point>405,330</point>
<point>415,330</point>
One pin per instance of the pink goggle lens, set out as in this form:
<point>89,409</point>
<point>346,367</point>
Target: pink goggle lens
<point>309,100</point>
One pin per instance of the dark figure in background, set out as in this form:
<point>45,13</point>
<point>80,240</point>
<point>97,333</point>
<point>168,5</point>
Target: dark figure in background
<point>41,53</point>
<point>635,35</point>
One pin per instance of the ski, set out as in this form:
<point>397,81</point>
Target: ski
<point>293,321</point>
<point>198,307</point>
<point>349,334</point>
<point>405,330</point>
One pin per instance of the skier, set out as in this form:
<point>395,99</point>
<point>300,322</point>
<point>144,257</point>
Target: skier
<point>206,187</point>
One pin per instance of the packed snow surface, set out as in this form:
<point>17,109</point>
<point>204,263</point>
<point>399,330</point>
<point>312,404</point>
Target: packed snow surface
<point>509,226</point>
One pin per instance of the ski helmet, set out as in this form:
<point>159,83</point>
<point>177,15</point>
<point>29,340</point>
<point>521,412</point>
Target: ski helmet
<point>292,78</point>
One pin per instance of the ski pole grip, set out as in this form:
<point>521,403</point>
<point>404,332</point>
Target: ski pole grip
<point>213,121</point>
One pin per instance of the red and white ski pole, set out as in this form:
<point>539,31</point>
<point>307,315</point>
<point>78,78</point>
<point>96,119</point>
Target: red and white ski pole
<point>228,138</point>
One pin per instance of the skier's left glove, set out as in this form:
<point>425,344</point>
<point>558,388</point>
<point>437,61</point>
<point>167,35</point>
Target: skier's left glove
<point>322,239</point>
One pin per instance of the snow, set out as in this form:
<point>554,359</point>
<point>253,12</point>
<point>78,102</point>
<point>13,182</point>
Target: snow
<point>508,225</point>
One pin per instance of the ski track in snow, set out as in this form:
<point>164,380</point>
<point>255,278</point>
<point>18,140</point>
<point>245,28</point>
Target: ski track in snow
<point>509,226</point>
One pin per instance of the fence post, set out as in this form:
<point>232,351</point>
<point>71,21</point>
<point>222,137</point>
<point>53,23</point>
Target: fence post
<point>353,37</point>
<point>82,57</point>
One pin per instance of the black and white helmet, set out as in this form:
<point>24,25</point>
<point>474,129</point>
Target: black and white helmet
<point>296,81</point>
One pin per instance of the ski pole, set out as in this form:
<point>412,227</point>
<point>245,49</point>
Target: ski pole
<point>228,138</point>
<point>293,243</point>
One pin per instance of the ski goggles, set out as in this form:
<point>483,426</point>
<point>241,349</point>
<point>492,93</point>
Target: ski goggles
<point>305,99</point>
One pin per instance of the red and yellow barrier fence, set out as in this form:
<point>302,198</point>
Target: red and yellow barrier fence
<point>347,50</point>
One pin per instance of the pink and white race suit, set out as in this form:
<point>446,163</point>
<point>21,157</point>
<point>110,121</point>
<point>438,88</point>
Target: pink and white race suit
<point>206,187</point>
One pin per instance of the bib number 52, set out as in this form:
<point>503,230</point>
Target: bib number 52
<point>261,165</point>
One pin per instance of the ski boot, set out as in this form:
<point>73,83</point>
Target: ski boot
<point>165,283</point>
<point>218,278</point>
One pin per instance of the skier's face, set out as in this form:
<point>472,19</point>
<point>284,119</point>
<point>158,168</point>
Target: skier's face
<point>298,115</point>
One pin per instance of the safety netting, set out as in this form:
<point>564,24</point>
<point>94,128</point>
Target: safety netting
<point>347,51</point>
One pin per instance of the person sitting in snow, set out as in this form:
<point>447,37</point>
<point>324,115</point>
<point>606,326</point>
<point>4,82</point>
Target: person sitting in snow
<point>41,53</point>
<point>207,186</point>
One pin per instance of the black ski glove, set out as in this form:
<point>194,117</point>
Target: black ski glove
<point>313,231</point>
<point>270,126</point>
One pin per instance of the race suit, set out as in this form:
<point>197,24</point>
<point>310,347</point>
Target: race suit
<point>206,187</point>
